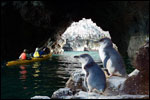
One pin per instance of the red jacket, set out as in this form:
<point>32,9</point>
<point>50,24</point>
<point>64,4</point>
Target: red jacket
<point>23,56</point>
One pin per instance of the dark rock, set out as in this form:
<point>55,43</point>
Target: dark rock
<point>32,23</point>
<point>139,83</point>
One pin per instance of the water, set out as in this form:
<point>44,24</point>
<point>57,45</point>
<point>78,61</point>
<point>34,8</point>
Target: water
<point>39,78</point>
<point>42,78</point>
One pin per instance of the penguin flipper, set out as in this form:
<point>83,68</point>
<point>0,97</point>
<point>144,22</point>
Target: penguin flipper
<point>106,59</point>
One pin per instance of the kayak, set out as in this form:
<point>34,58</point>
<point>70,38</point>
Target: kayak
<point>19,61</point>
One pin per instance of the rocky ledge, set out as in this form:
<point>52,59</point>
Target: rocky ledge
<point>75,90</point>
<point>136,86</point>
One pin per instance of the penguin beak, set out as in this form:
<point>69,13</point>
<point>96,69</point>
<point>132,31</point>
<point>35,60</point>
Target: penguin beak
<point>76,56</point>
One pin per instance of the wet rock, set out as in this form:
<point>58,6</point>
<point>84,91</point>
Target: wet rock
<point>75,82</point>
<point>113,90</point>
<point>62,93</point>
<point>139,83</point>
<point>40,97</point>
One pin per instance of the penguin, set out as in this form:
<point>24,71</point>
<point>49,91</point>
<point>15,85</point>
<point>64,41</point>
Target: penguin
<point>111,58</point>
<point>94,75</point>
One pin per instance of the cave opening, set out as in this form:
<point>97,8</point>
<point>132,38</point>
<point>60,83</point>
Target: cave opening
<point>81,36</point>
<point>32,23</point>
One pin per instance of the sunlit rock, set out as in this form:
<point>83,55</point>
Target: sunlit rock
<point>134,73</point>
<point>82,34</point>
<point>40,97</point>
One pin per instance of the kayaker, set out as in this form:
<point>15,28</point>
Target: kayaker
<point>46,50</point>
<point>36,53</point>
<point>41,52</point>
<point>23,55</point>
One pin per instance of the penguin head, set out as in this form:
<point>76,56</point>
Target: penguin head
<point>84,58</point>
<point>105,42</point>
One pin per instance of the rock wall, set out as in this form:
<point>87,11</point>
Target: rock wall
<point>139,83</point>
<point>134,20</point>
<point>81,36</point>
<point>32,23</point>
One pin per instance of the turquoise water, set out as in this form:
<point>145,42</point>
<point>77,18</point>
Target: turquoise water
<point>38,78</point>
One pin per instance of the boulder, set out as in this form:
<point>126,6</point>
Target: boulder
<point>75,82</point>
<point>139,83</point>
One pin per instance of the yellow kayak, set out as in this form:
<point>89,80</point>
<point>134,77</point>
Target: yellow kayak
<point>19,61</point>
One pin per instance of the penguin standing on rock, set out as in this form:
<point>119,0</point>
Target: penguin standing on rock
<point>111,58</point>
<point>94,76</point>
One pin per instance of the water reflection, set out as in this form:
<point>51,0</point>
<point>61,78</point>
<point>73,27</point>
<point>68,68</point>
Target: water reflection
<point>38,78</point>
<point>29,77</point>
<point>36,74</point>
<point>23,73</point>
<point>23,76</point>
<point>36,68</point>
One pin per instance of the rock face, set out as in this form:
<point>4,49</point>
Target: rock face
<point>134,44</point>
<point>33,23</point>
<point>139,83</point>
<point>82,34</point>
<point>74,89</point>
<point>75,82</point>
<point>135,19</point>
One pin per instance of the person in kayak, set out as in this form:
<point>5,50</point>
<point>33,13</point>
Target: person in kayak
<point>46,50</point>
<point>41,52</point>
<point>36,53</point>
<point>24,55</point>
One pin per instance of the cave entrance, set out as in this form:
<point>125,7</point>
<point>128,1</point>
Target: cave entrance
<point>80,36</point>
